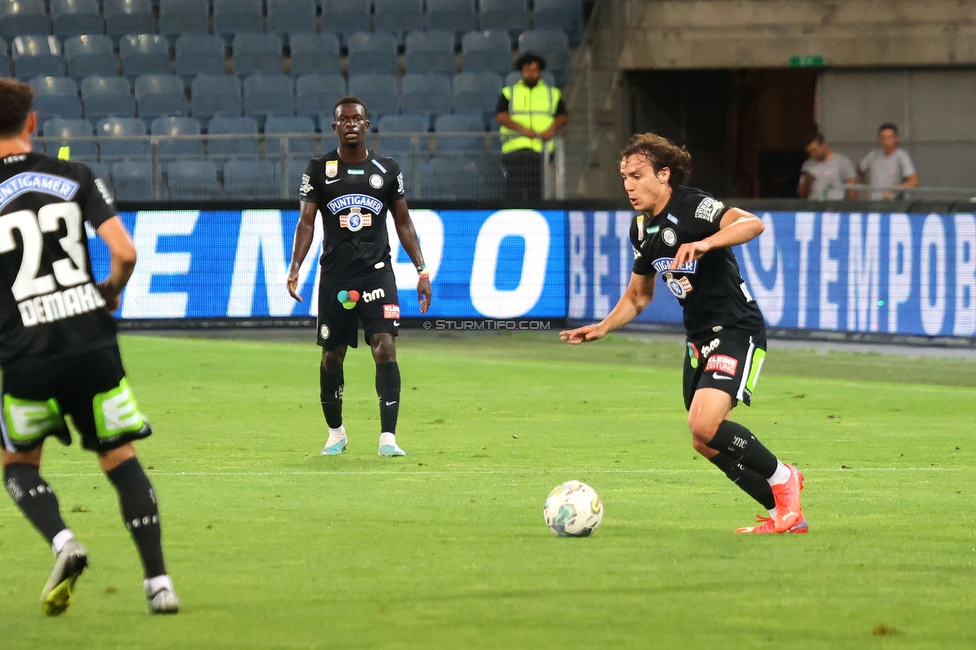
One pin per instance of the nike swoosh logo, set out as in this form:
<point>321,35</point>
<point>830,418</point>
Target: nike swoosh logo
<point>334,180</point>
<point>718,376</point>
<point>390,403</point>
<point>396,323</point>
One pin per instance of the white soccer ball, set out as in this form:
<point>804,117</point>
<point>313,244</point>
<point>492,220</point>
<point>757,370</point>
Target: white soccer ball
<point>573,509</point>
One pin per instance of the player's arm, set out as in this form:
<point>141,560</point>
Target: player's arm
<point>411,244</point>
<point>736,227</point>
<point>635,298</point>
<point>122,260</point>
<point>303,241</point>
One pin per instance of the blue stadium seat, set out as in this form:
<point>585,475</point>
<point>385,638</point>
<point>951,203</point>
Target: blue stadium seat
<point>132,179</point>
<point>486,52</point>
<point>160,95</point>
<point>75,17</point>
<point>372,53</point>
<point>251,179</point>
<point>318,93</point>
<point>215,94</point>
<point>345,17</point>
<point>287,17</point>
<point>257,53</point>
<point>234,16</point>
<point>110,132</point>
<point>403,133</point>
<point>23,18</point>
<point>477,92</point>
<point>101,172</point>
<point>425,93</point>
<point>511,15</point>
<point>36,56</point>
<point>451,176</point>
<point>457,16</point>
<point>378,92</point>
<point>107,97</point>
<point>172,127</point>
<point>144,54</point>
<point>89,54</point>
<point>268,94</point>
<point>289,125</point>
<point>293,176</point>
<point>553,46</point>
<point>128,17</point>
<point>226,125</point>
<point>55,97</point>
<point>192,180</point>
<point>398,16</point>
<point>183,17</point>
<point>460,132</point>
<point>430,51</point>
<point>199,53</point>
<point>513,77</point>
<point>64,130</point>
<point>314,53</point>
<point>564,15</point>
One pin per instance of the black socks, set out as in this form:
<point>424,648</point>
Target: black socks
<point>140,512</point>
<point>35,498</point>
<point>388,390</point>
<point>738,443</point>
<point>751,483</point>
<point>330,386</point>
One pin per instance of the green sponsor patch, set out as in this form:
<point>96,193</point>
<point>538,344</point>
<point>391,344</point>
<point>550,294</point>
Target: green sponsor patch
<point>29,420</point>
<point>116,412</point>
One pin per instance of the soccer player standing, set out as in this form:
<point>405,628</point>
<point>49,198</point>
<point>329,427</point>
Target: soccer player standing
<point>58,349</point>
<point>356,188</point>
<point>686,235</point>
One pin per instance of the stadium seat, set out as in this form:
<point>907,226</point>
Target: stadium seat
<point>486,52</point>
<point>257,53</point>
<point>318,93</point>
<point>251,179</point>
<point>286,17</point>
<point>36,56</point>
<point>89,54</point>
<point>398,16</point>
<point>101,172</point>
<point>372,53</point>
<point>450,176</point>
<point>425,93</point>
<point>160,95</point>
<point>23,18</point>
<point>75,17</point>
<point>477,92</point>
<point>128,17</point>
<point>171,127</point>
<point>55,97</point>
<point>564,15</point>
<point>430,51</point>
<point>227,125</point>
<point>403,134</point>
<point>144,54</point>
<point>293,175</point>
<point>457,16</point>
<point>460,132</point>
<point>553,46</point>
<point>183,17</point>
<point>215,94</point>
<point>513,78</point>
<point>268,94</point>
<point>199,53</point>
<point>289,125</point>
<point>110,132</point>
<point>314,53</point>
<point>345,17</point>
<point>510,15</point>
<point>192,180</point>
<point>377,91</point>
<point>235,16</point>
<point>107,97</point>
<point>64,130</point>
<point>132,180</point>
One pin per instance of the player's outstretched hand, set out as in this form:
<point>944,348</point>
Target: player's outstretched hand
<point>688,252</point>
<point>585,334</point>
<point>293,287</point>
<point>424,294</point>
<point>109,295</point>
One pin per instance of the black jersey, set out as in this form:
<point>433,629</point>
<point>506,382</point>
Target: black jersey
<point>49,305</point>
<point>353,200</point>
<point>711,290</point>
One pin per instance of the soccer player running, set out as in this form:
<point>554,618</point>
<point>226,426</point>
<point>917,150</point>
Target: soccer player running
<point>686,235</point>
<point>58,349</point>
<point>356,188</point>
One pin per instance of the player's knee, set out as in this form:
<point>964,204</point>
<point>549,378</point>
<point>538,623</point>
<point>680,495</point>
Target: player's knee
<point>700,446</point>
<point>702,428</point>
<point>384,349</point>
<point>332,359</point>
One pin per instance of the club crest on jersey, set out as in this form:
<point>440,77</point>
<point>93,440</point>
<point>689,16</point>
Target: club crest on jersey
<point>355,220</point>
<point>678,286</point>
<point>331,168</point>
<point>663,265</point>
<point>669,237</point>
<point>376,181</point>
<point>361,201</point>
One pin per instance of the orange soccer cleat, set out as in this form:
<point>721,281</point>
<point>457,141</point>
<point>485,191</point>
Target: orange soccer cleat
<point>766,525</point>
<point>787,497</point>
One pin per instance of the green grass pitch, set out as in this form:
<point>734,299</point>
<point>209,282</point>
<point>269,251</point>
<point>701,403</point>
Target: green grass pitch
<point>273,546</point>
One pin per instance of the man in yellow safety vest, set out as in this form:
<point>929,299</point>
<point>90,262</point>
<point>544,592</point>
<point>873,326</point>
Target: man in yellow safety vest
<point>529,112</point>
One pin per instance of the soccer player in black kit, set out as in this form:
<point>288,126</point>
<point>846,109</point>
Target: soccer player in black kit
<point>354,188</point>
<point>686,236</point>
<point>58,349</point>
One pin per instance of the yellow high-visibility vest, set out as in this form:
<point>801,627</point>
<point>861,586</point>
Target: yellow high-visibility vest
<point>534,108</point>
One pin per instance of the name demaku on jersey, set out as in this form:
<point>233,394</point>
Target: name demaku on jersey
<point>59,305</point>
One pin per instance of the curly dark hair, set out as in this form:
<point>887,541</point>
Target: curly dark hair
<point>660,153</point>
<point>530,57</point>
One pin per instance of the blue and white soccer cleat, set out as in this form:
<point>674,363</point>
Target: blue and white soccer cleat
<point>388,445</point>
<point>336,444</point>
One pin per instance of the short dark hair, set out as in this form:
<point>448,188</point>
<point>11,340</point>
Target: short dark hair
<point>888,125</point>
<point>16,100</point>
<point>660,153</point>
<point>349,99</point>
<point>530,57</point>
<point>816,135</point>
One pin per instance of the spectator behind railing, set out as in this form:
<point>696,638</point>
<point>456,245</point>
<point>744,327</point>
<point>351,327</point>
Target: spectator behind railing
<point>888,167</point>
<point>825,173</point>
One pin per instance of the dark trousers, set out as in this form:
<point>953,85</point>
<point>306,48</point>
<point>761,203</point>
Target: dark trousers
<point>523,175</point>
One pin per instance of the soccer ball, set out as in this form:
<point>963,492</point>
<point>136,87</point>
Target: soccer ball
<point>573,509</point>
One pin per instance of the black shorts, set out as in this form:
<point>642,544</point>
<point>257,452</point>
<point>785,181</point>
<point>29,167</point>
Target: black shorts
<point>371,299</point>
<point>90,387</point>
<point>729,361</point>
